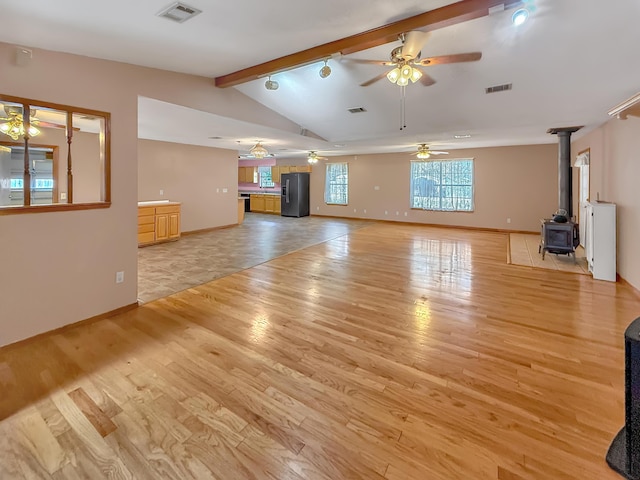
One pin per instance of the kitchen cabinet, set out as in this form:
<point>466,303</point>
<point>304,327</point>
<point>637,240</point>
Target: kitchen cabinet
<point>158,223</point>
<point>246,175</point>
<point>275,174</point>
<point>265,203</point>
<point>256,203</point>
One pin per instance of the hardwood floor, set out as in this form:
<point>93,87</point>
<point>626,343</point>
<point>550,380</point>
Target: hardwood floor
<point>392,352</point>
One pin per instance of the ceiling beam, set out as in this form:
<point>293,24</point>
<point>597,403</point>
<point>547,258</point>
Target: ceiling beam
<point>428,21</point>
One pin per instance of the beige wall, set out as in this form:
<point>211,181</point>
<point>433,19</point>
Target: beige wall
<point>520,183</point>
<point>195,176</point>
<point>68,260</point>
<point>614,173</point>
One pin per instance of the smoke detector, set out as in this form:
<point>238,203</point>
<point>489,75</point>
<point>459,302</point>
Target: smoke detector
<point>179,12</point>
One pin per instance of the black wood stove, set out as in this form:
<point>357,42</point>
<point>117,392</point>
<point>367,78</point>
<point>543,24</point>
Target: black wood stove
<point>559,238</point>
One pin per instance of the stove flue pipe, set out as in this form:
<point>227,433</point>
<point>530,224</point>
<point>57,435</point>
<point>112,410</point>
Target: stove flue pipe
<point>565,182</point>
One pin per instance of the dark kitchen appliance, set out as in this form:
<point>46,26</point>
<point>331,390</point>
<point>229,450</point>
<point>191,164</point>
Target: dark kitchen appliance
<point>295,194</point>
<point>624,453</point>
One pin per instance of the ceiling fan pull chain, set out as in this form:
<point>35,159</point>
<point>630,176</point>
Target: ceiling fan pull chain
<point>403,108</point>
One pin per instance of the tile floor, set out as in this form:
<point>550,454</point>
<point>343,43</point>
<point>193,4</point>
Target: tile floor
<point>524,251</point>
<point>196,259</point>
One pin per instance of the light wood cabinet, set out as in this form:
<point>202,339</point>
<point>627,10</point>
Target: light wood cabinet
<point>265,203</point>
<point>269,203</point>
<point>256,203</point>
<point>246,175</point>
<point>285,169</point>
<point>158,224</point>
<point>275,174</point>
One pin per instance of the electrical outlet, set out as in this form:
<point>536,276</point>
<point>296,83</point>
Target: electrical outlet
<point>317,208</point>
<point>377,187</point>
<point>119,277</point>
<point>397,213</point>
<point>405,214</point>
<point>365,210</point>
<point>225,190</point>
<point>63,195</point>
<point>161,193</point>
<point>386,212</point>
<point>354,210</point>
<point>508,220</point>
<point>217,190</point>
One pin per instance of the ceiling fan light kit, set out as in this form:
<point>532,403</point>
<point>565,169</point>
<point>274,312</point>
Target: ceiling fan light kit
<point>14,125</point>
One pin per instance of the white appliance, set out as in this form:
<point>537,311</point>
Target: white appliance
<point>601,240</point>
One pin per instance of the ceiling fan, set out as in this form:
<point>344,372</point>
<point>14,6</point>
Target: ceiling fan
<point>425,152</point>
<point>313,157</point>
<point>406,59</point>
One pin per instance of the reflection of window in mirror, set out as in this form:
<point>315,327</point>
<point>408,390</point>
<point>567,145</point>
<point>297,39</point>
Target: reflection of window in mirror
<point>59,153</point>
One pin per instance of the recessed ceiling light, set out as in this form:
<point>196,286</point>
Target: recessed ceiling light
<point>340,145</point>
<point>520,16</point>
<point>215,138</point>
<point>466,135</point>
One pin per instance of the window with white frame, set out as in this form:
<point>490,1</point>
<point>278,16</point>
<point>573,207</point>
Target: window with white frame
<point>443,185</point>
<point>264,176</point>
<point>336,187</point>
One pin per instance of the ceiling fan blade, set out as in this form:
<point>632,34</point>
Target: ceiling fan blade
<point>455,58</point>
<point>427,80</point>
<point>368,62</point>
<point>374,79</point>
<point>436,152</point>
<point>413,43</point>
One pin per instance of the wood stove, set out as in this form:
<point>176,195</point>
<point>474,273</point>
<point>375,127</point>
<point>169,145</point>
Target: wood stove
<point>559,238</point>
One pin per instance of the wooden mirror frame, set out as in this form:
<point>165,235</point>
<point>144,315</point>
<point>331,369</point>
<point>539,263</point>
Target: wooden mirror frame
<point>70,111</point>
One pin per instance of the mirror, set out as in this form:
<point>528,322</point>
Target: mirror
<point>61,153</point>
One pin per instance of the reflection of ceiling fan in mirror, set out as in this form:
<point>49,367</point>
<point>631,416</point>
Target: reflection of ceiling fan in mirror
<point>13,125</point>
<point>425,152</point>
<point>406,59</point>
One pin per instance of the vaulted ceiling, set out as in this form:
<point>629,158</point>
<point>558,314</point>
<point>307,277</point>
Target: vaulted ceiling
<point>569,64</point>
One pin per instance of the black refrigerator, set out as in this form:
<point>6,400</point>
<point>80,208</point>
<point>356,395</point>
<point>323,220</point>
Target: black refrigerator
<point>295,194</point>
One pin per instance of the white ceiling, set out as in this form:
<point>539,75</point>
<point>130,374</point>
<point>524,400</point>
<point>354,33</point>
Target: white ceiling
<point>570,63</point>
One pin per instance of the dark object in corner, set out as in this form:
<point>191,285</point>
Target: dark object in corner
<point>624,454</point>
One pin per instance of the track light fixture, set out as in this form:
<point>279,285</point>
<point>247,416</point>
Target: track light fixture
<point>326,70</point>
<point>520,16</point>
<point>271,84</point>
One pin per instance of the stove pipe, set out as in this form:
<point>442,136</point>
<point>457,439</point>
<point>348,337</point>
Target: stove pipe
<point>565,183</point>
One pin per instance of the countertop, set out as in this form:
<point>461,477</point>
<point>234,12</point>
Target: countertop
<point>262,193</point>
<point>155,203</point>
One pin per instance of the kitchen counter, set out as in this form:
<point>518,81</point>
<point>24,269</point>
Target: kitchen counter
<point>261,193</point>
<point>157,203</point>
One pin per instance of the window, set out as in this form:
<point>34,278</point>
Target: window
<point>264,177</point>
<point>336,189</point>
<point>52,157</point>
<point>445,185</point>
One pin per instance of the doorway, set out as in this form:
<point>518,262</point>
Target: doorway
<point>582,162</point>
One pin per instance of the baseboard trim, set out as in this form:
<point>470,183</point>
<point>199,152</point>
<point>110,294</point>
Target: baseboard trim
<point>207,230</point>
<point>622,281</point>
<point>434,225</point>
<point>64,328</point>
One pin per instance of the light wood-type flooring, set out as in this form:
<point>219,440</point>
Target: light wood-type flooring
<point>168,268</point>
<point>391,352</point>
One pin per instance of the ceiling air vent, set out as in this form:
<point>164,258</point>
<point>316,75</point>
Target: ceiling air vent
<point>179,12</point>
<point>356,110</point>
<point>498,88</point>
